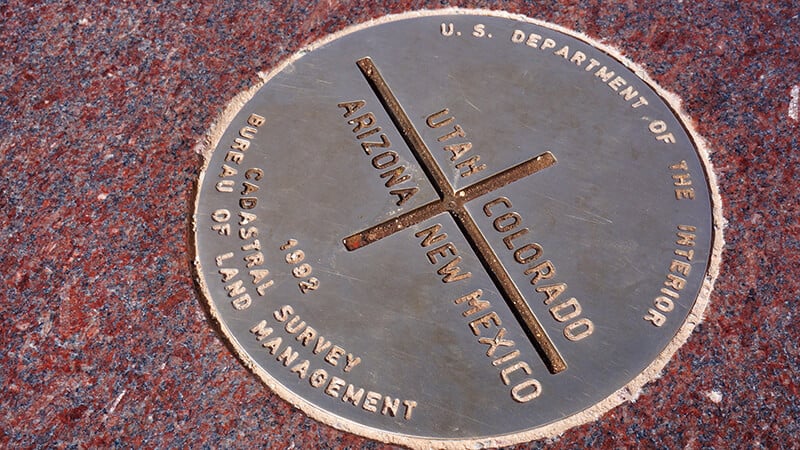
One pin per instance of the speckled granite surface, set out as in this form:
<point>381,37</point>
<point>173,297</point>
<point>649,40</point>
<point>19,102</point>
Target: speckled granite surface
<point>104,339</point>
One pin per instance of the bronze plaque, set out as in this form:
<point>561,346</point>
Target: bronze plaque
<point>456,229</point>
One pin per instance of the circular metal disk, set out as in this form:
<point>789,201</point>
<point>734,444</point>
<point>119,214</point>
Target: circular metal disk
<point>455,228</point>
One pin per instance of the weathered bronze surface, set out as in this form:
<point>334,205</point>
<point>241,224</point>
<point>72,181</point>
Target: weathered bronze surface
<point>455,228</point>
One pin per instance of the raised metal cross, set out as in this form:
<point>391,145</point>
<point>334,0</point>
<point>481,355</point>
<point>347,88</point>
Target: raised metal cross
<point>452,201</point>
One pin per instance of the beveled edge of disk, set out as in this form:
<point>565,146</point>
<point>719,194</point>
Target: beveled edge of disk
<point>628,392</point>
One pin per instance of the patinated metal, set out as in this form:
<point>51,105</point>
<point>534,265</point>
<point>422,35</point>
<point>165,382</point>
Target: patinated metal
<point>455,228</point>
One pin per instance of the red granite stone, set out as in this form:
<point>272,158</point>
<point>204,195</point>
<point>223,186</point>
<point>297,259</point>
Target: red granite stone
<point>104,340</point>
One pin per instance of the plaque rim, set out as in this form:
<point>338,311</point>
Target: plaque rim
<point>629,392</point>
